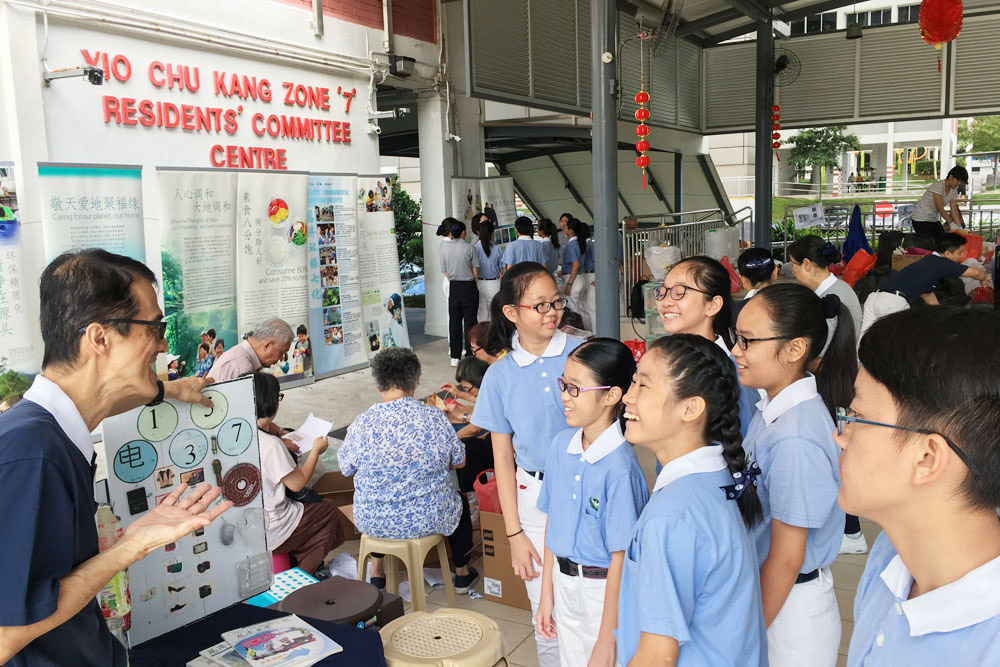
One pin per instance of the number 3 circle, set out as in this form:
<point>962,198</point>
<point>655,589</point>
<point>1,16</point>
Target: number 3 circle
<point>188,448</point>
<point>235,436</point>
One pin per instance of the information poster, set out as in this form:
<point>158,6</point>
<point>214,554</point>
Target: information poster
<point>809,216</point>
<point>334,274</point>
<point>17,349</point>
<point>92,206</point>
<point>465,198</point>
<point>198,251</point>
<point>381,291</point>
<point>272,259</point>
<point>150,452</point>
<point>498,200</point>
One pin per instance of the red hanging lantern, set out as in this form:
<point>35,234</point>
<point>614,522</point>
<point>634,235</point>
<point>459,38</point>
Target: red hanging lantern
<point>776,108</point>
<point>775,116</point>
<point>775,136</point>
<point>776,145</point>
<point>642,113</point>
<point>775,126</point>
<point>940,22</point>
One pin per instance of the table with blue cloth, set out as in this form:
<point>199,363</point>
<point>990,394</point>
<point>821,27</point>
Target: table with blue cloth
<point>176,648</point>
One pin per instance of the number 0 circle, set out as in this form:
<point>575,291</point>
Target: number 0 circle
<point>157,422</point>
<point>235,436</point>
<point>188,448</point>
<point>209,418</point>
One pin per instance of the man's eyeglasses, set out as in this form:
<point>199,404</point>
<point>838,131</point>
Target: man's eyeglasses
<point>546,306</point>
<point>159,325</point>
<point>281,396</point>
<point>676,292</point>
<point>573,390</point>
<point>474,349</point>
<point>744,342</point>
<point>843,417</point>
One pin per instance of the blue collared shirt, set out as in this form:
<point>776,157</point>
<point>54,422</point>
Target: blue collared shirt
<point>958,623</point>
<point>749,397</point>
<point>524,249</point>
<point>570,255</point>
<point>519,395</point>
<point>587,266</point>
<point>551,254</point>
<point>489,267</point>
<point>691,572</point>
<point>597,495</point>
<point>791,439</point>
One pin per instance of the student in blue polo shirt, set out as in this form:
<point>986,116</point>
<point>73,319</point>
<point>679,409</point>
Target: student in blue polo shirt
<point>921,458</point>
<point>490,267</point>
<point>695,298</point>
<point>524,248</point>
<point>690,593</point>
<point>102,329</point>
<point>548,237</point>
<point>519,404</point>
<point>779,336</point>
<point>595,488</point>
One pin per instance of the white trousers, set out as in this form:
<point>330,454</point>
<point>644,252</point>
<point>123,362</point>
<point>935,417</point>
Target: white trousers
<point>877,306</point>
<point>578,608</point>
<point>533,524</point>
<point>446,288</point>
<point>807,629</point>
<point>487,290</point>
<point>581,298</point>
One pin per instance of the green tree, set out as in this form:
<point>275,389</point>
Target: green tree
<point>820,147</point>
<point>408,223</point>
<point>12,383</point>
<point>981,135</point>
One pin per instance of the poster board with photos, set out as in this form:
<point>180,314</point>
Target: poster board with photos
<point>151,451</point>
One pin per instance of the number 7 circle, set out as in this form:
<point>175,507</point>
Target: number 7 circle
<point>235,436</point>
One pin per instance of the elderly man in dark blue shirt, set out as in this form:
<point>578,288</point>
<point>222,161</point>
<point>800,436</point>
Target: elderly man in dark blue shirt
<point>102,330</point>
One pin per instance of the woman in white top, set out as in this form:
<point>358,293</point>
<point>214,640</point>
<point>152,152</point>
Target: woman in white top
<point>940,200</point>
<point>306,531</point>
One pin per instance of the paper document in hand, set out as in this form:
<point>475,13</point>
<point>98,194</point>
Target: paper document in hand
<point>313,427</point>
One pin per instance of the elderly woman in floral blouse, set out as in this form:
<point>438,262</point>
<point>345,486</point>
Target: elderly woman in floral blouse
<point>400,452</point>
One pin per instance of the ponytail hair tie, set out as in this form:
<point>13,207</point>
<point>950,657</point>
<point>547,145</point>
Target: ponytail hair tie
<point>760,263</point>
<point>829,250</point>
<point>831,305</point>
<point>742,480</point>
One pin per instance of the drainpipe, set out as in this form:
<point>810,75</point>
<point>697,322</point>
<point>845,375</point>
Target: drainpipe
<point>386,25</point>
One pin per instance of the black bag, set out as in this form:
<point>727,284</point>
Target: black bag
<point>305,495</point>
<point>636,304</point>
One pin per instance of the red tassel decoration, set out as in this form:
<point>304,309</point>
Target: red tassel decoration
<point>940,23</point>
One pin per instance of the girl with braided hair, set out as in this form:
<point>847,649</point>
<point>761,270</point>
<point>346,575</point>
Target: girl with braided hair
<point>594,485</point>
<point>690,593</point>
<point>780,334</point>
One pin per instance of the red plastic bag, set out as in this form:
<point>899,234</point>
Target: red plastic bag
<point>973,246</point>
<point>860,264</point>
<point>735,284</point>
<point>487,495</point>
<point>638,348</point>
<point>982,295</point>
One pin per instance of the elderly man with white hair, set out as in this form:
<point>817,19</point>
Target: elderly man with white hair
<point>261,348</point>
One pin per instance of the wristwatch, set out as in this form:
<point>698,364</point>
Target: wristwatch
<point>159,394</point>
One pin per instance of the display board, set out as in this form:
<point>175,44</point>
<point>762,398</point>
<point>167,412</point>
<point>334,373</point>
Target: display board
<point>381,289</point>
<point>92,206</point>
<point>16,348</point>
<point>198,253</point>
<point>153,449</point>
<point>335,274</point>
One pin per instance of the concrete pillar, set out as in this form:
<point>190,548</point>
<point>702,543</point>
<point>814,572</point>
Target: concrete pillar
<point>890,157</point>
<point>27,144</point>
<point>470,155</point>
<point>947,146</point>
<point>436,170</point>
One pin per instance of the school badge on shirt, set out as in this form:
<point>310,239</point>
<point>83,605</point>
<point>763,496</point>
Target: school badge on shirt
<point>595,504</point>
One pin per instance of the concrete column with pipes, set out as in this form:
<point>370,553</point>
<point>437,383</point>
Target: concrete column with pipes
<point>890,157</point>
<point>603,40</point>
<point>436,170</point>
<point>836,181</point>
<point>470,158</point>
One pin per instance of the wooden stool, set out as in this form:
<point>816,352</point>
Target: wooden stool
<point>412,552</point>
<point>445,638</point>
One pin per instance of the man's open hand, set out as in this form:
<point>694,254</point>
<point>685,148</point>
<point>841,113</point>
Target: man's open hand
<point>175,517</point>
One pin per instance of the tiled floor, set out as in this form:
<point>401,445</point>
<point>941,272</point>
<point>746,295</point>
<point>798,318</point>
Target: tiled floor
<point>518,633</point>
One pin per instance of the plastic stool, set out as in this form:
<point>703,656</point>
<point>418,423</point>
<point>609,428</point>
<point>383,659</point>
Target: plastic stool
<point>446,638</point>
<point>412,552</point>
<point>281,562</point>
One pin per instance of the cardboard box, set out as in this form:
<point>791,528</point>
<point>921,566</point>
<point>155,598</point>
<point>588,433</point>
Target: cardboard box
<point>500,584</point>
<point>902,261</point>
<point>340,489</point>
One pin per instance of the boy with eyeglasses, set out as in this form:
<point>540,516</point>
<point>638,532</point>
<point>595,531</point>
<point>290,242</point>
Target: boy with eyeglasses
<point>921,458</point>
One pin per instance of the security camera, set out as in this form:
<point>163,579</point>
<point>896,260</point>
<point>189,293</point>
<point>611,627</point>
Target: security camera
<point>95,75</point>
<point>455,138</point>
<point>373,128</point>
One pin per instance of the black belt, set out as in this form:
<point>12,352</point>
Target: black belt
<point>489,279</point>
<point>896,292</point>
<point>571,569</point>
<point>537,474</point>
<point>805,577</point>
